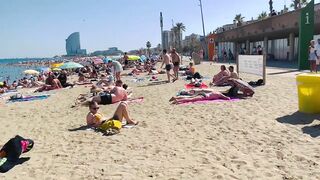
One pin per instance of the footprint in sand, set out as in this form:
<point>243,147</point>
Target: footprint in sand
<point>280,155</point>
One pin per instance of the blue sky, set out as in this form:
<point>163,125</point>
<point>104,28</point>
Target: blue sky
<point>38,28</point>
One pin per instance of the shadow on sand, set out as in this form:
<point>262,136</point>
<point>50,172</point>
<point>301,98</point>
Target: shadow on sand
<point>81,128</point>
<point>299,118</point>
<point>154,83</point>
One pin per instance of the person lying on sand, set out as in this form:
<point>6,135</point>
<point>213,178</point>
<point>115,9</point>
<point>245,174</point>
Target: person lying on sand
<point>244,87</point>
<point>116,94</point>
<point>209,95</point>
<point>95,119</point>
<point>105,81</point>
<point>83,80</point>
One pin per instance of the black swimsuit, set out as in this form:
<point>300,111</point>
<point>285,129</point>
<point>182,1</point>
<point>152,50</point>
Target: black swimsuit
<point>106,99</point>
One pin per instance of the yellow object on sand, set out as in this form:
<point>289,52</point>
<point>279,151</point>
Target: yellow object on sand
<point>309,92</point>
<point>111,124</point>
<point>1,83</point>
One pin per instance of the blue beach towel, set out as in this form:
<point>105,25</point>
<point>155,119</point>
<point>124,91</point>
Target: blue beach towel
<point>29,98</point>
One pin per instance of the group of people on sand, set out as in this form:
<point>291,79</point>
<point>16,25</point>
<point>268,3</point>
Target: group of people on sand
<point>171,61</point>
<point>224,75</point>
<point>43,82</point>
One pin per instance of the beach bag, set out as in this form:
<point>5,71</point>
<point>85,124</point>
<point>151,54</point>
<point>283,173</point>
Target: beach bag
<point>111,127</point>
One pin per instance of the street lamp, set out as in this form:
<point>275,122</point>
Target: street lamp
<point>204,32</point>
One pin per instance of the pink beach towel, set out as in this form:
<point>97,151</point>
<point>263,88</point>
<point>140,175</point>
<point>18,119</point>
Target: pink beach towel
<point>210,101</point>
<point>190,86</point>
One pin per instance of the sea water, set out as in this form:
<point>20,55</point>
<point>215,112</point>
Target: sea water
<point>9,70</point>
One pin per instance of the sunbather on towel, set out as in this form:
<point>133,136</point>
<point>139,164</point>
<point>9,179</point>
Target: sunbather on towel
<point>200,97</point>
<point>116,94</point>
<point>95,119</point>
<point>242,86</point>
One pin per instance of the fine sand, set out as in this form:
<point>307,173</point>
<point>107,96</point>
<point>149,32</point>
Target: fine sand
<point>259,138</point>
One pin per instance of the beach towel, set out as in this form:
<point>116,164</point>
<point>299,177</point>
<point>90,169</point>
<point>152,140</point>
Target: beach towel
<point>28,98</point>
<point>211,101</point>
<point>8,93</point>
<point>191,86</point>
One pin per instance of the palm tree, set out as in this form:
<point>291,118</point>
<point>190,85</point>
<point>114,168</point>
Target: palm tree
<point>148,44</point>
<point>297,4</point>
<point>178,29</point>
<point>239,19</point>
<point>262,15</point>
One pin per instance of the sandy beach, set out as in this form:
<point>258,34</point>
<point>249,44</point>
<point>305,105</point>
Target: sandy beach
<point>263,137</point>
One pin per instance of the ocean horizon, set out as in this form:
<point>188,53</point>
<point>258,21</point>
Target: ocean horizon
<point>10,71</point>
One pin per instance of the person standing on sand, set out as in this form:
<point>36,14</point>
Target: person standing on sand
<point>117,68</point>
<point>318,51</point>
<point>167,61</point>
<point>176,60</point>
<point>126,61</point>
<point>312,57</point>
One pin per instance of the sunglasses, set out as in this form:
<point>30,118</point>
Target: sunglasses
<point>95,108</point>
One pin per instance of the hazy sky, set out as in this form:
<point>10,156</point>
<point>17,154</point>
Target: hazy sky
<point>38,28</point>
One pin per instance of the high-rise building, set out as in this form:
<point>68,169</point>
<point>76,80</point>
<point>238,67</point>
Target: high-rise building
<point>166,39</point>
<point>73,45</point>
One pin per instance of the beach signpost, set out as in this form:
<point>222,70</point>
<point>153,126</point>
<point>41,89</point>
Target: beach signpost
<point>252,64</point>
<point>306,31</point>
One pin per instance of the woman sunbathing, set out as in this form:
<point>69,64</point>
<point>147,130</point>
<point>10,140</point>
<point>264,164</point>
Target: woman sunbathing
<point>199,96</point>
<point>95,119</point>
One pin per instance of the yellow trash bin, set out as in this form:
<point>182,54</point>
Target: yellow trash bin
<point>309,92</point>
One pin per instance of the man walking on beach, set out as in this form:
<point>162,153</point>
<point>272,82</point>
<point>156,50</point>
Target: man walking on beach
<point>167,61</point>
<point>176,60</point>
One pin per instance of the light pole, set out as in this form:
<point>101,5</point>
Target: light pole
<point>204,32</point>
<point>161,26</point>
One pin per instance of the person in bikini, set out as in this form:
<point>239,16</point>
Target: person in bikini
<point>111,95</point>
<point>200,96</point>
<point>176,60</point>
<point>96,119</point>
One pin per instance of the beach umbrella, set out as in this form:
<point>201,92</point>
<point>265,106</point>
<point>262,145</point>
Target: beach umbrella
<point>98,61</point>
<point>1,83</point>
<point>31,72</point>
<point>56,65</point>
<point>143,58</point>
<point>70,65</point>
<point>56,69</point>
<point>133,58</point>
<point>45,69</point>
